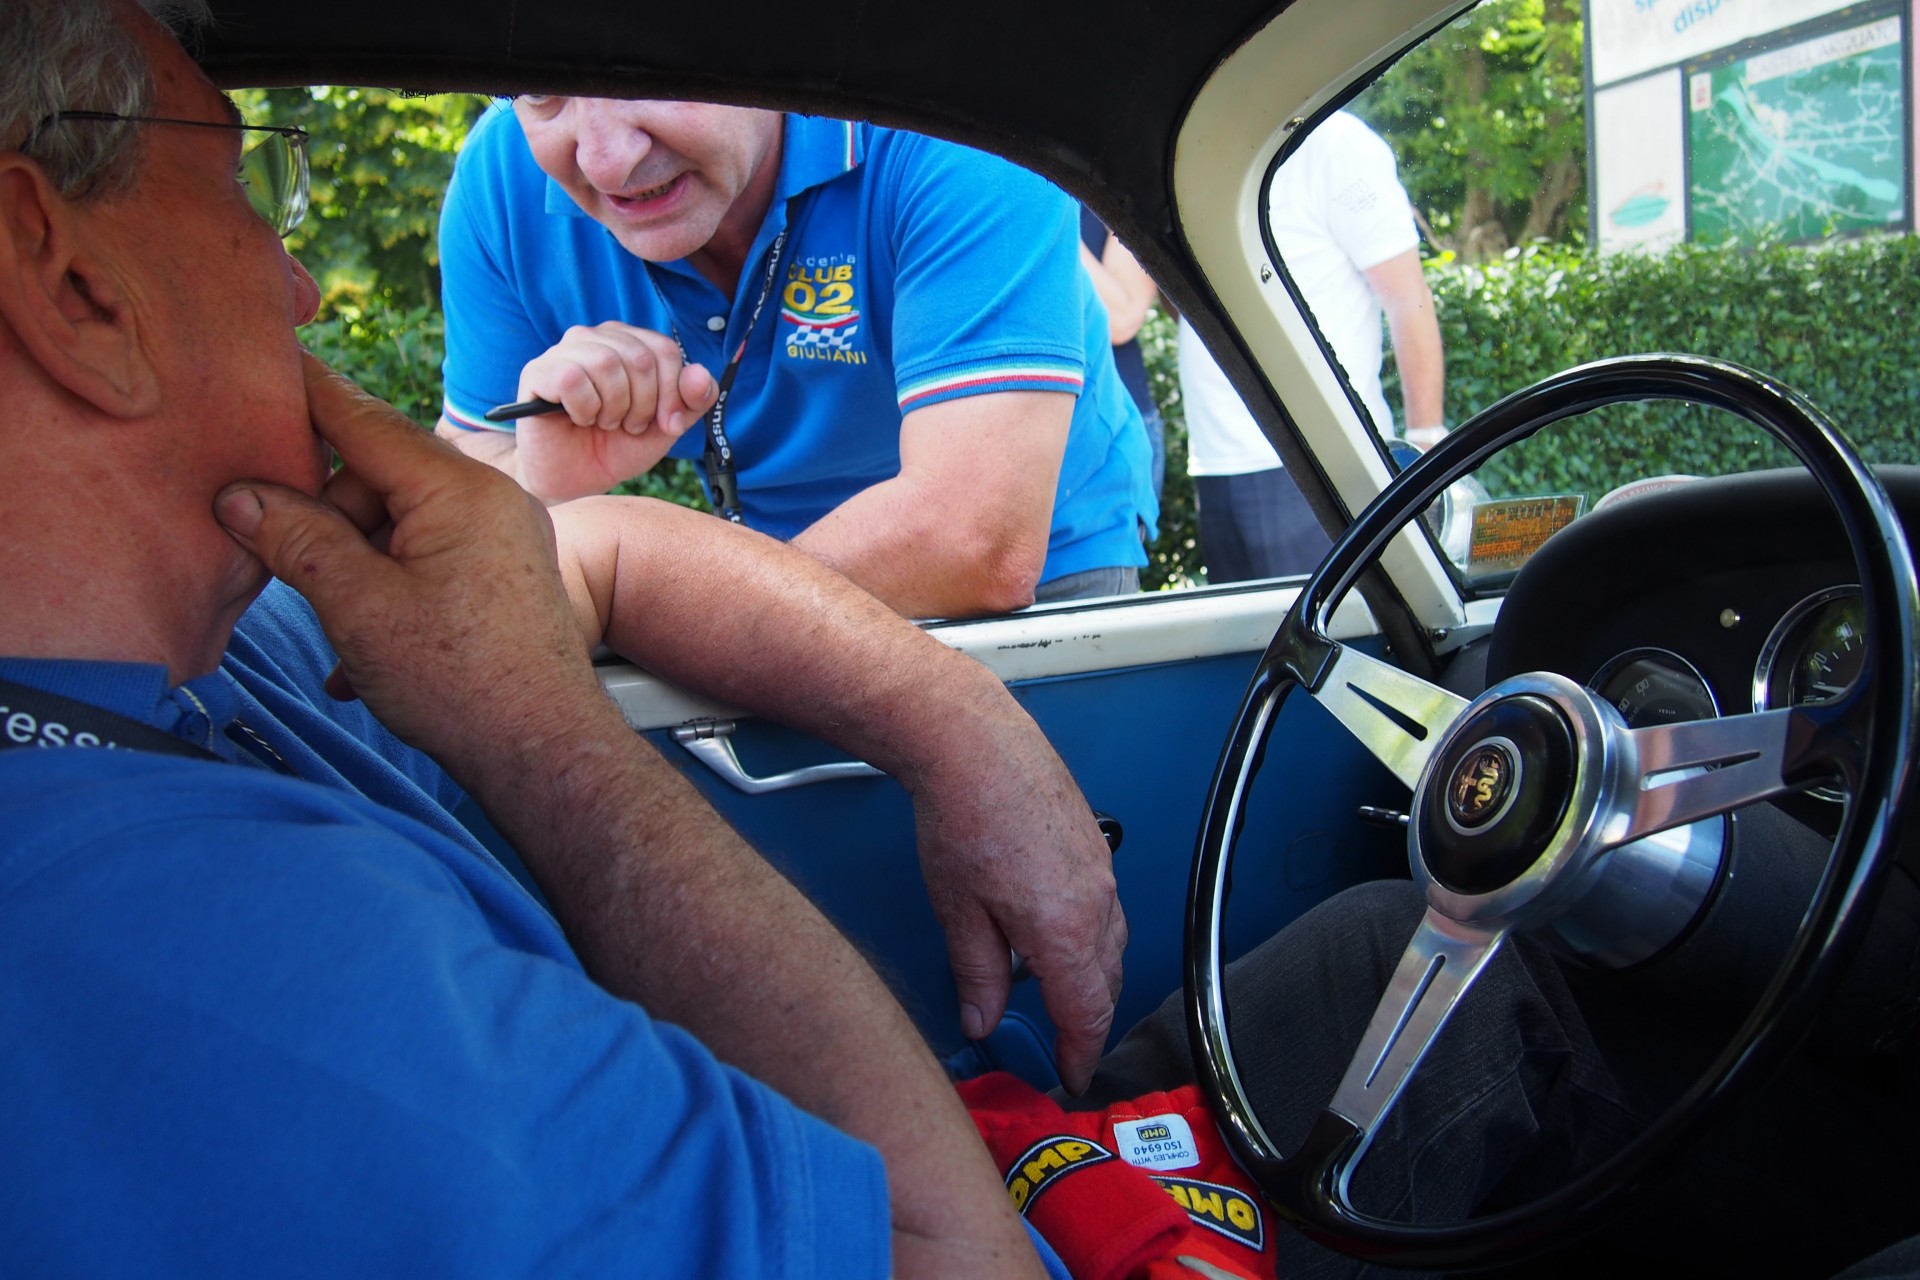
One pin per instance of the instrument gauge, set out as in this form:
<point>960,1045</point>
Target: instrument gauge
<point>1655,686</point>
<point>1814,652</point>
<point>1813,655</point>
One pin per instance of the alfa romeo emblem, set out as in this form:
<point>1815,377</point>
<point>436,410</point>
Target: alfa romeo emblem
<point>1481,784</point>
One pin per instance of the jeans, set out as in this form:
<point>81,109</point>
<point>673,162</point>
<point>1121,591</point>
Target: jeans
<point>1089,584</point>
<point>1256,525</point>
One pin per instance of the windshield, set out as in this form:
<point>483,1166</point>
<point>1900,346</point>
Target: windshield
<point>1635,176</point>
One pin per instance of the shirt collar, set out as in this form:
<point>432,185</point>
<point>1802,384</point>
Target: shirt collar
<point>198,711</point>
<point>816,151</point>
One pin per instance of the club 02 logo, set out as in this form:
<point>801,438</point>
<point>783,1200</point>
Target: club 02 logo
<point>818,300</point>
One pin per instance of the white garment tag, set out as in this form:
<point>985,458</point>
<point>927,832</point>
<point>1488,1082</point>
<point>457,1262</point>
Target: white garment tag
<point>1156,1142</point>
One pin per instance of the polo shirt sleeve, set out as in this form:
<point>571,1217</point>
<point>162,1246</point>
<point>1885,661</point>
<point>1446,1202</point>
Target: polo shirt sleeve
<point>490,334</point>
<point>263,1028</point>
<point>989,291</point>
<point>1368,213</point>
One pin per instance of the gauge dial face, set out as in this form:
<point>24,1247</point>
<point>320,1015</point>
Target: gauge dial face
<point>1814,653</point>
<point>1654,686</point>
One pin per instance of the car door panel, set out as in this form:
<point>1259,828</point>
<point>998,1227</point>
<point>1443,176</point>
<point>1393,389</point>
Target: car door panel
<point>1142,742</point>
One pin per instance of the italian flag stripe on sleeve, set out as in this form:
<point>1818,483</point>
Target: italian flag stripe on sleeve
<point>1024,376</point>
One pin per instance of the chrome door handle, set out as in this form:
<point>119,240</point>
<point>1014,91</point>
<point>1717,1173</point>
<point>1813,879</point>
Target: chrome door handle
<point>711,743</point>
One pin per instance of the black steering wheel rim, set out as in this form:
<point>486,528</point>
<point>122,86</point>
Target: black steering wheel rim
<point>1307,1187</point>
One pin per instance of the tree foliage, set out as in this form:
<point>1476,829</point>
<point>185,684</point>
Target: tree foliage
<point>394,352</point>
<point>1173,558</point>
<point>381,162</point>
<point>1488,120</point>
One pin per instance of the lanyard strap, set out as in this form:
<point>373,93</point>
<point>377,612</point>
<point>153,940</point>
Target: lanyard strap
<point>31,717</point>
<point>722,482</point>
<point>34,718</point>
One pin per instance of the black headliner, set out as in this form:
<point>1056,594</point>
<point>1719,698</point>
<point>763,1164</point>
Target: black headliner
<point>1088,92</point>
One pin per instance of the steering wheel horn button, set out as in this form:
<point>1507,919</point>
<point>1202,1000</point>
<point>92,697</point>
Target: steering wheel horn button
<point>1499,791</point>
<point>1483,785</point>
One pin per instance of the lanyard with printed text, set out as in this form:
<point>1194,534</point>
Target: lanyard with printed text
<point>32,717</point>
<point>717,461</point>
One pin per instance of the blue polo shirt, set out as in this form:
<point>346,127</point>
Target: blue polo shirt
<point>304,1026</point>
<point>915,271</point>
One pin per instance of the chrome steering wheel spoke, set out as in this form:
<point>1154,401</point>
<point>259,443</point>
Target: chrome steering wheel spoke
<point>1440,963</point>
<point>1701,768</point>
<point>1396,716</point>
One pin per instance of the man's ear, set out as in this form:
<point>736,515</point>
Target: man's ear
<point>64,302</point>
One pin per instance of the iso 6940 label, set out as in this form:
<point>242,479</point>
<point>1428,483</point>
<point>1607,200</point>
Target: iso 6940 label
<point>1156,1142</point>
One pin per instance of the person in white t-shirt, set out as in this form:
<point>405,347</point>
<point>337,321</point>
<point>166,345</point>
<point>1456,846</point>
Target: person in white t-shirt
<point>1345,230</point>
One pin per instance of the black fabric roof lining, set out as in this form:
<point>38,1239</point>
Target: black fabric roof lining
<point>1088,92</point>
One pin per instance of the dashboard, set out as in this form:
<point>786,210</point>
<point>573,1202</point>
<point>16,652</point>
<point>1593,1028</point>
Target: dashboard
<point>1716,597</point>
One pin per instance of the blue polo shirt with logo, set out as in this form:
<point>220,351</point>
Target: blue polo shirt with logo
<point>915,271</point>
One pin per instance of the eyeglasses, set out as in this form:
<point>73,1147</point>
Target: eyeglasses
<point>273,165</point>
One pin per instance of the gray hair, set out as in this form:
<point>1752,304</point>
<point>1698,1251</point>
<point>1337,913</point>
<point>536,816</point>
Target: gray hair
<point>80,55</point>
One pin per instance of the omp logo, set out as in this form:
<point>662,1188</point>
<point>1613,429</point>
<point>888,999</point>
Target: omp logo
<point>1230,1212</point>
<point>1153,1133</point>
<point>1043,1163</point>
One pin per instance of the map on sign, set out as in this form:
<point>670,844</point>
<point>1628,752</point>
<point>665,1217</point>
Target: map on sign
<point>1802,141</point>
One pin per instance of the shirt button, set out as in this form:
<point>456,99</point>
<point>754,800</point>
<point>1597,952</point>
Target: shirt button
<point>716,323</point>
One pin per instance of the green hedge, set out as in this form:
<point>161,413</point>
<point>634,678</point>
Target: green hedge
<point>393,352</point>
<point>1835,323</point>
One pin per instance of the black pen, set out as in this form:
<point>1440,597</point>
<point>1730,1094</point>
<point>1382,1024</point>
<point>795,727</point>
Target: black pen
<point>520,409</point>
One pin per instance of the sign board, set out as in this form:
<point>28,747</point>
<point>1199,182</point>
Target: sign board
<point>1639,164</point>
<point>1741,119</point>
<point>1633,36</point>
<point>1803,141</point>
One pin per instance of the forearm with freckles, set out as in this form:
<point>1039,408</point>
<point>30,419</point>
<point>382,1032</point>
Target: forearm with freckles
<point>755,623</point>
<point>1011,854</point>
<point>667,907</point>
<point>962,530</point>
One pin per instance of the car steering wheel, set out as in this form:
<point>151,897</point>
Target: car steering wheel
<point>1522,797</point>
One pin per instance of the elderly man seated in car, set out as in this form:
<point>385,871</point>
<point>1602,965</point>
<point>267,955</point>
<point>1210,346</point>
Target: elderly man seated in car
<point>270,1009</point>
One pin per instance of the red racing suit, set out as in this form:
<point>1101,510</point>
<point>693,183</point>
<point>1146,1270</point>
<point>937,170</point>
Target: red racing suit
<point>1144,1190</point>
